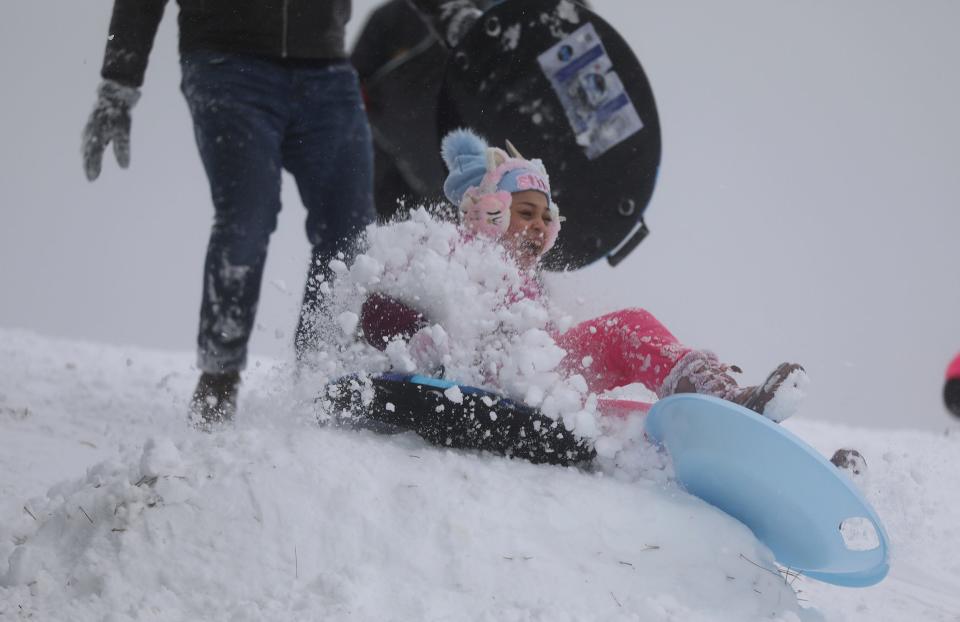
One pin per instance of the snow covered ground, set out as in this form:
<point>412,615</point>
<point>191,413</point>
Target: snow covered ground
<point>111,508</point>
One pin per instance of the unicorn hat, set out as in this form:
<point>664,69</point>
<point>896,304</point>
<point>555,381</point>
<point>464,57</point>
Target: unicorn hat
<point>482,178</point>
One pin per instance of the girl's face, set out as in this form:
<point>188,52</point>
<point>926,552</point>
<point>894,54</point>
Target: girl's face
<point>527,234</point>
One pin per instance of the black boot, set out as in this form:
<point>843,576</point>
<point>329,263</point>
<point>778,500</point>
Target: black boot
<point>215,399</point>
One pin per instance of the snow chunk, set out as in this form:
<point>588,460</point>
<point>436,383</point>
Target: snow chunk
<point>510,38</point>
<point>567,11</point>
<point>399,357</point>
<point>348,321</point>
<point>366,270</point>
<point>859,534</point>
<point>454,394</point>
<point>161,457</point>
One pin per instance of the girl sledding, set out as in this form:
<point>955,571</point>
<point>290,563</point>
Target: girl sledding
<point>563,371</point>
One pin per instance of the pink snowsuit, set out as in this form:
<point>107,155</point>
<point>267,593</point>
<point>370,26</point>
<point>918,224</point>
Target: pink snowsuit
<point>621,348</point>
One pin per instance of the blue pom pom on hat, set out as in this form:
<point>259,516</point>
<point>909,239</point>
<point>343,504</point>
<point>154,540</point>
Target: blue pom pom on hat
<point>465,155</point>
<point>470,159</point>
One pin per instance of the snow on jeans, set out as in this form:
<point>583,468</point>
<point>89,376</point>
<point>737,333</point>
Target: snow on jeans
<point>621,348</point>
<point>252,118</point>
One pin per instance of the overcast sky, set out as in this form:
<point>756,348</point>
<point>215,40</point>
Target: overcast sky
<point>807,207</point>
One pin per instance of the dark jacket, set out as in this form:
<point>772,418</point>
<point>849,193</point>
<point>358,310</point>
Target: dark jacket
<point>296,29</point>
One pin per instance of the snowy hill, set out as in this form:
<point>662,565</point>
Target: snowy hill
<point>113,509</point>
<point>836,152</point>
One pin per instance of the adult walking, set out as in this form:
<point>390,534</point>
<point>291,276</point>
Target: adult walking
<point>269,88</point>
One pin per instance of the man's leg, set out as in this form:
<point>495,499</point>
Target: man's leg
<point>238,116</point>
<point>329,152</point>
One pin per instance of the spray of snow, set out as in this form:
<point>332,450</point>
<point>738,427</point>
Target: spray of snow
<point>485,327</point>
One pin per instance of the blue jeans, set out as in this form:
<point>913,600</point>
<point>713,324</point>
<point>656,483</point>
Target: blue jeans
<point>253,117</point>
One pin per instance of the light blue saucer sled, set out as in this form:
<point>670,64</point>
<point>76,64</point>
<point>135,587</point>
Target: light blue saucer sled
<point>790,496</point>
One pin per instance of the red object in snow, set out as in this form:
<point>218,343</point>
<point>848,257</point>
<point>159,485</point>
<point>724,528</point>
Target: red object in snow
<point>953,370</point>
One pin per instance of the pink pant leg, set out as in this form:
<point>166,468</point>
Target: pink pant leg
<point>626,347</point>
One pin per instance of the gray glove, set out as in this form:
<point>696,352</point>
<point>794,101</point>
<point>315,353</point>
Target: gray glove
<point>109,122</point>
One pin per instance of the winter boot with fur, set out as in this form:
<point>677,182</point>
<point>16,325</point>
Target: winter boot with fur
<point>699,371</point>
<point>215,399</point>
